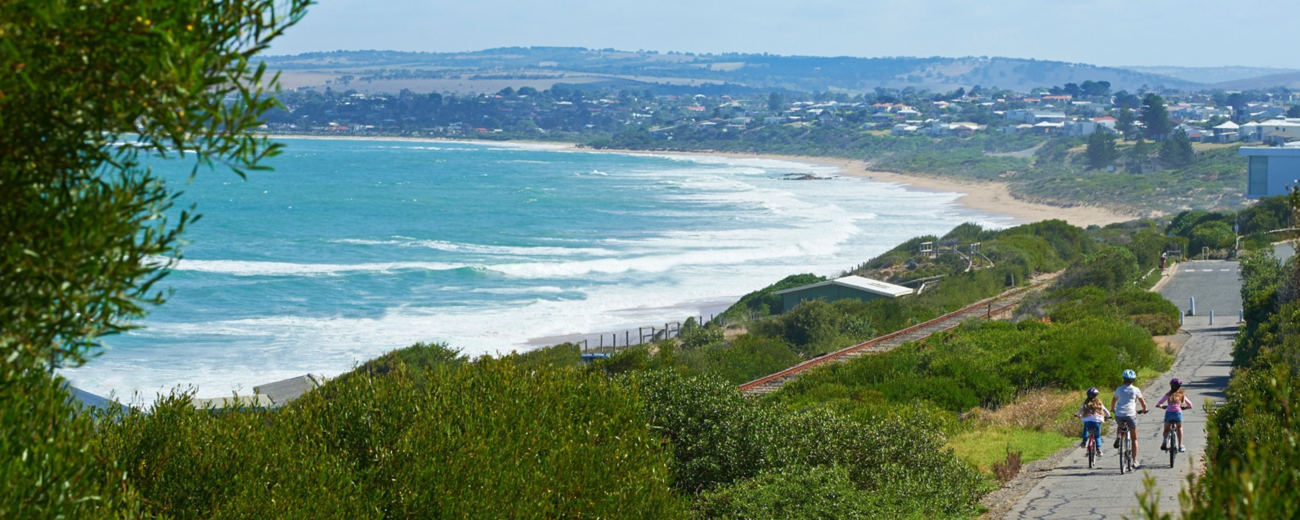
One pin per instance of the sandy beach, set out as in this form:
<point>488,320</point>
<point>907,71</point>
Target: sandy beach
<point>978,196</point>
<point>992,197</point>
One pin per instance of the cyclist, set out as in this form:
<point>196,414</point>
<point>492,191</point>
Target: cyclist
<point>1092,413</point>
<point>1125,402</point>
<point>1177,399</point>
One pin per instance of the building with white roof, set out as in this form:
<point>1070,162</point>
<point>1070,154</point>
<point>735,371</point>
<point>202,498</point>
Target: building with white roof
<point>855,287</point>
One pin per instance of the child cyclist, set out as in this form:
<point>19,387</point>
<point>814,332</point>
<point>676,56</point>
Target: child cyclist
<point>1177,402</point>
<point>1092,413</point>
<point>1125,402</point>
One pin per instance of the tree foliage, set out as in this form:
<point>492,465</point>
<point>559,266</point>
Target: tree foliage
<point>1101,151</point>
<point>1176,152</point>
<point>1155,117</point>
<point>89,89</point>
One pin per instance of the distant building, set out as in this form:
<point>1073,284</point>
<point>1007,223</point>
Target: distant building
<point>1271,171</point>
<point>1080,128</point>
<point>1226,132</point>
<point>849,287</point>
<point>904,129</point>
<point>1272,131</point>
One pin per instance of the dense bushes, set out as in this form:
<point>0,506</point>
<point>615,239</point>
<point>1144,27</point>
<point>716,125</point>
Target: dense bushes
<point>988,364</point>
<point>489,435</point>
<point>1111,269</point>
<point>1265,286</point>
<point>1214,230</point>
<point>795,493</point>
<point>50,468</point>
<point>732,449</point>
<point>1145,309</point>
<point>816,327</point>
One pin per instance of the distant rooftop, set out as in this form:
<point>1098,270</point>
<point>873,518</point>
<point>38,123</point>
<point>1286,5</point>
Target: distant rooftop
<point>860,283</point>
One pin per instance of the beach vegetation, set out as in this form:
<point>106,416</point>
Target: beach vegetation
<point>459,440</point>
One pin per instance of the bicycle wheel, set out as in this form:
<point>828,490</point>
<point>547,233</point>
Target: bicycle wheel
<point>1171,440</point>
<point>1092,453</point>
<point>1123,456</point>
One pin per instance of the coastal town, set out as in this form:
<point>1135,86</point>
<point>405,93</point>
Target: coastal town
<point>563,112</point>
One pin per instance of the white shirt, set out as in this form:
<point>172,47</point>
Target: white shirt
<point>1126,397</point>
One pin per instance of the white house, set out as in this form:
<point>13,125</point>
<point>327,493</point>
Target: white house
<point>1271,131</point>
<point>904,129</point>
<point>1080,128</point>
<point>1226,132</point>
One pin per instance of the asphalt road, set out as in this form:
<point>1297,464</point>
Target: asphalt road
<point>1073,490</point>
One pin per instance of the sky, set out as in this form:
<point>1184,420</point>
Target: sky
<point>1188,33</point>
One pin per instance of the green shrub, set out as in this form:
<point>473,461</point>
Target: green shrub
<point>1111,269</point>
<point>1262,295</point>
<point>451,440</point>
<point>562,355</point>
<point>700,338</point>
<point>49,466</point>
<point>794,492</point>
<point>722,439</point>
<point>750,357</point>
<point>989,364</point>
<point>1213,235</point>
<point>812,327</point>
<point>1155,324</point>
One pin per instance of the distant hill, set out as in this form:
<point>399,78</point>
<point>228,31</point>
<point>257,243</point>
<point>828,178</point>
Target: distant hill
<point>1212,75</point>
<point>1286,79</point>
<point>539,66</point>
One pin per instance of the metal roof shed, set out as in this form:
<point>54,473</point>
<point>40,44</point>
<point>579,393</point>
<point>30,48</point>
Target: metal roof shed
<point>855,287</point>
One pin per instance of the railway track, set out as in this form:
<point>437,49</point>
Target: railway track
<point>989,308</point>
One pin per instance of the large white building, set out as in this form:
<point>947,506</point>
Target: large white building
<point>1271,131</point>
<point>1271,171</point>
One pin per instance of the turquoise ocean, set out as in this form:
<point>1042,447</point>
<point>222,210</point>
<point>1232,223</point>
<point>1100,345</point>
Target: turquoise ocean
<point>351,248</point>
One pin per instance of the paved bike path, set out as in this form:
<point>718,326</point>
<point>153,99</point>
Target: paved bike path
<point>1073,490</point>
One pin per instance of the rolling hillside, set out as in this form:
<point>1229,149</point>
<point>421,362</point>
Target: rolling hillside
<point>541,66</point>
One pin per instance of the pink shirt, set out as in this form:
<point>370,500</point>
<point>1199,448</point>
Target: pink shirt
<point>1174,407</point>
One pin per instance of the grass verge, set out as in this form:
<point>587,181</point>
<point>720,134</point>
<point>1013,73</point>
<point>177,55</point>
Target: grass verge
<point>981,448</point>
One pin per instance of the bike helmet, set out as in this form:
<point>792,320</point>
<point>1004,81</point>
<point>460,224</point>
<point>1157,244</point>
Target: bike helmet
<point>1175,383</point>
<point>1130,375</point>
<point>1092,392</point>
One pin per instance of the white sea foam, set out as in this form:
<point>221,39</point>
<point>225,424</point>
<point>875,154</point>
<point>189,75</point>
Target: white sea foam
<point>456,247</point>
<point>251,268</point>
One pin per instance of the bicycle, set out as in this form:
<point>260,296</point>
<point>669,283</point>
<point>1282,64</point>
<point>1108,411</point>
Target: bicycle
<point>1093,442</point>
<point>1092,448</point>
<point>1172,440</point>
<point>1125,450</point>
<point>1126,461</point>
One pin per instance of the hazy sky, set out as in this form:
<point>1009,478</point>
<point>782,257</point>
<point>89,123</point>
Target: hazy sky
<point>1103,32</point>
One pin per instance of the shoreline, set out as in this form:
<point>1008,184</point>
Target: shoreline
<point>987,197</point>
<point>979,197</point>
